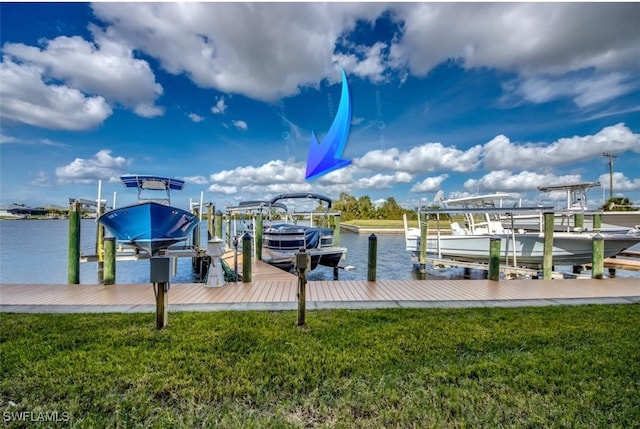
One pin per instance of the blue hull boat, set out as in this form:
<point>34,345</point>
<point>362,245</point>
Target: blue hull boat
<point>150,225</point>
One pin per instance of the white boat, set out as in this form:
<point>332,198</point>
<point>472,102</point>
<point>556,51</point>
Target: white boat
<point>283,238</point>
<point>469,241</point>
<point>576,204</point>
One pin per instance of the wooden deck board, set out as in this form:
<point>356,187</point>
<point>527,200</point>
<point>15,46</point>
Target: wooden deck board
<point>280,290</point>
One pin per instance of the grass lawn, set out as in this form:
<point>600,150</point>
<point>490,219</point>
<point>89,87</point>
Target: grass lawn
<point>575,366</point>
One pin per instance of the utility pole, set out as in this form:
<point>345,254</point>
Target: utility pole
<point>611,158</point>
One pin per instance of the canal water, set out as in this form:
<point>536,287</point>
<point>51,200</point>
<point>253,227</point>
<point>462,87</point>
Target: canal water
<point>35,251</point>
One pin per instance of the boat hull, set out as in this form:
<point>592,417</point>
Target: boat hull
<point>527,248</point>
<point>149,226</point>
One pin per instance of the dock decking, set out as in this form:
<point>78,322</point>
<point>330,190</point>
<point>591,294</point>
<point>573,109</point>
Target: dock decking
<point>277,290</point>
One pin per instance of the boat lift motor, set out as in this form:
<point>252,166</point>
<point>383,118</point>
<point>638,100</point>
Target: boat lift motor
<point>302,261</point>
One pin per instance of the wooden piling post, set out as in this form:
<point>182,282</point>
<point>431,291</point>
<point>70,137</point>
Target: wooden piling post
<point>100,244</point>
<point>494,258</point>
<point>210,230</point>
<point>301,263</point>
<point>597,222</point>
<point>162,305</point>
<point>73,262</point>
<point>109,277</point>
<point>246,257</point>
<point>578,220</point>
<point>217,226</point>
<point>423,219</point>
<point>336,230</point>
<point>547,257</point>
<point>597,259</point>
<point>372,258</point>
<point>229,232</point>
<point>259,237</point>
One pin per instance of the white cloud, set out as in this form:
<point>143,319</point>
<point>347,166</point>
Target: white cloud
<point>101,166</point>
<point>239,124</point>
<point>27,99</point>
<point>196,180</point>
<point>501,153</point>
<point>220,107</point>
<point>620,182</point>
<point>276,171</point>
<point>430,184</point>
<point>528,38</point>
<point>585,91</point>
<point>41,179</point>
<point>424,158</point>
<point>263,51</point>
<point>384,181</point>
<point>223,189</point>
<point>195,117</point>
<point>102,67</point>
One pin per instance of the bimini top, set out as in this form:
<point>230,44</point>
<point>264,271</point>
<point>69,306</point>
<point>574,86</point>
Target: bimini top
<point>152,182</point>
<point>302,195</point>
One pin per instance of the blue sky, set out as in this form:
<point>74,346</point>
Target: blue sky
<point>463,98</point>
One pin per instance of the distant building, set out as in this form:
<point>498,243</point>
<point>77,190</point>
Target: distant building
<point>21,211</point>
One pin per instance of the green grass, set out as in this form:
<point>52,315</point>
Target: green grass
<point>521,367</point>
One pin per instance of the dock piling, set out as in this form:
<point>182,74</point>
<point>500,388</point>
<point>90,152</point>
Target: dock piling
<point>246,257</point>
<point>597,222</point>
<point>210,225</point>
<point>494,258</point>
<point>372,258</point>
<point>259,237</point>
<point>547,257</point>
<point>109,277</point>
<point>73,265</point>
<point>597,262</point>
<point>423,219</point>
<point>336,230</point>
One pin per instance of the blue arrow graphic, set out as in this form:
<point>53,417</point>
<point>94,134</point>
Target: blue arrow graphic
<point>325,157</point>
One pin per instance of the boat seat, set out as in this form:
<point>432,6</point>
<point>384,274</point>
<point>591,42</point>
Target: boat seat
<point>456,229</point>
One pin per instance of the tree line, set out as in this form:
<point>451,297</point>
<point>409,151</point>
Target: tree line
<point>351,208</point>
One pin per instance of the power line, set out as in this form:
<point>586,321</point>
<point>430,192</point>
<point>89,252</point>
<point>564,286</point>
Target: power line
<point>611,158</point>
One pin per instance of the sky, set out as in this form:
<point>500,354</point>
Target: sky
<point>462,98</point>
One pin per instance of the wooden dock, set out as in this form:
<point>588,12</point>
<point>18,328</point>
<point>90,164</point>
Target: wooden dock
<point>270,292</point>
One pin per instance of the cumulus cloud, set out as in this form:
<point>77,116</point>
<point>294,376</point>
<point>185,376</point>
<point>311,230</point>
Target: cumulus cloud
<point>100,67</point>
<point>263,51</point>
<point>220,107</point>
<point>500,153</point>
<point>384,181</point>
<point>239,124</point>
<point>195,117</point>
<point>528,38</point>
<point>620,182</point>
<point>430,184</point>
<point>101,166</point>
<point>27,99</point>
<point>424,158</point>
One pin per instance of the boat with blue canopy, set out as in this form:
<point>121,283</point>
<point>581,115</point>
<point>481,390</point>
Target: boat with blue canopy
<point>152,224</point>
<point>283,237</point>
